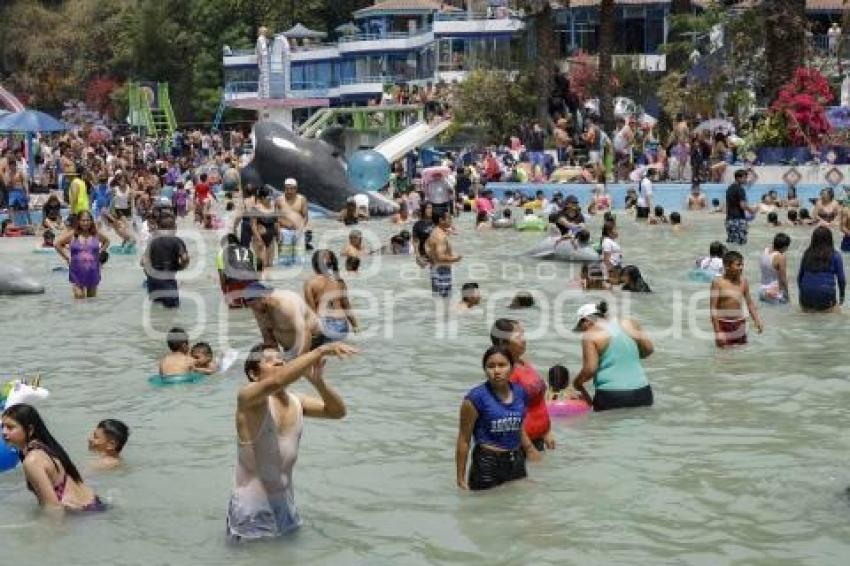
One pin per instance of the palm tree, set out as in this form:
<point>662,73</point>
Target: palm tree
<point>607,30</point>
<point>544,39</point>
<point>677,59</point>
<point>785,41</point>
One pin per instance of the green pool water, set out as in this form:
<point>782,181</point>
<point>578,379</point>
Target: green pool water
<point>743,459</point>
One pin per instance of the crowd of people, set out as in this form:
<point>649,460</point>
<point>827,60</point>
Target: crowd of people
<point>142,191</point>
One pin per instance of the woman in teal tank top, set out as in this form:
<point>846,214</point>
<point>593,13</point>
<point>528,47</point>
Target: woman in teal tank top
<point>612,352</point>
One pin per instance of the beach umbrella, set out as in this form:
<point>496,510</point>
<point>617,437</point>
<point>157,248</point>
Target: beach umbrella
<point>716,125</point>
<point>347,28</point>
<point>31,121</point>
<point>300,31</point>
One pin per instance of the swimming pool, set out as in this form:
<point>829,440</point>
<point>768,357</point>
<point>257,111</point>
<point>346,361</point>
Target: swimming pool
<point>743,459</point>
<point>672,196</point>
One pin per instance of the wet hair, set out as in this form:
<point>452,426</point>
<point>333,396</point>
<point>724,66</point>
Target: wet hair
<point>325,263</point>
<point>528,211</point>
<point>176,339</point>
<point>740,174</point>
<point>715,202</point>
<point>481,218</point>
<point>500,332</point>
<point>35,430</point>
<point>252,360</point>
<point>636,283</point>
<point>659,211</point>
<point>229,206</point>
<point>675,218</point>
<point>731,257</point>
<point>507,213</point>
<point>439,215</point>
<point>493,350</point>
<point>608,229</point>
<point>522,300</point>
<point>818,256</point>
<point>559,378</point>
<point>609,217</point>
<point>352,263</point>
<point>467,287</point>
<point>792,215</point>
<point>203,177</point>
<point>716,249</point>
<point>166,222</point>
<point>92,227</point>
<point>781,242</point>
<point>116,431</point>
<point>202,348</point>
<point>804,214</point>
<point>230,239</point>
<point>773,218</point>
<point>583,236</point>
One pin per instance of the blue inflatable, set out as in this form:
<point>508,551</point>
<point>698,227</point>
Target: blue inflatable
<point>166,380</point>
<point>8,457</point>
<point>123,250</point>
<point>701,275</point>
<point>368,170</point>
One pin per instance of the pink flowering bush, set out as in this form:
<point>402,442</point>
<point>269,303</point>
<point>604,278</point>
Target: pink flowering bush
<point>802,102</point>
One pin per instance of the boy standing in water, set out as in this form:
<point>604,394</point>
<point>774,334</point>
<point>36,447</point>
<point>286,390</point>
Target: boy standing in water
<point>440,254</point>
<point>727,294</point>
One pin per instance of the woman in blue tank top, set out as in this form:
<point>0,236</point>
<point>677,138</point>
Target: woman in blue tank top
<point>611,353</point>
<point>492,413</point>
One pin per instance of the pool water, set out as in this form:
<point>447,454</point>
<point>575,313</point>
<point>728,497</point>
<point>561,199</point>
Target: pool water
<point>743,459</point>
<point>671,196</point>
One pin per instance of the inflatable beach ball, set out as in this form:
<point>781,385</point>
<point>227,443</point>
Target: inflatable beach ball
<point>368,170</point>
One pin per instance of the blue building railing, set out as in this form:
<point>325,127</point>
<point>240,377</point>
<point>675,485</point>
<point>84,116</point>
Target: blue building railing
<point>385,35</point>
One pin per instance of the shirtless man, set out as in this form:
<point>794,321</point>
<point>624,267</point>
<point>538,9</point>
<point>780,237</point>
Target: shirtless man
<point>69,171</point>
<point>292,219</point>
<point>728,293</point>
<point>17,193</point>
<point>696,200</point>
<point>354,247</point>
<point>284,319</point>
<point>292,207</point>
<point>440,254</point>
<point>327,295</point>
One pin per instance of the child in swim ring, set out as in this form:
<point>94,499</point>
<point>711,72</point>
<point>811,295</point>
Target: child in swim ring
<point>561,399</point>
<point>204,362</point>
<point>178,361</point>
<point>713,264</point>
<point>559,382</point>
<point>107,440</point>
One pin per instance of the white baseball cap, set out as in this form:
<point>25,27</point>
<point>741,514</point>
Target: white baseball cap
<point>583,312</point>
<point>290,182</point>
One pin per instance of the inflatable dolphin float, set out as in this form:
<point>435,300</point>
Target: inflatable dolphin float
<point>317,165</point>
<point>15,281</point>
<point>554,248</point>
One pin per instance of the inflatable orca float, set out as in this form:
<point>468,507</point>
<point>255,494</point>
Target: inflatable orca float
<point>317,164</point>
<point>553,248</point>
<point>15,281</point>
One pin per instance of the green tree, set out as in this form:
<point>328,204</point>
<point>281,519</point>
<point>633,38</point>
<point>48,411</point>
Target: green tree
<point>607,31</point>
<point>541,19</point>
<point>494,104</point>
